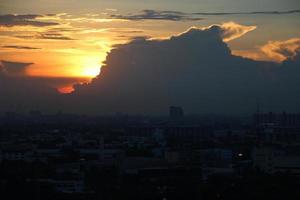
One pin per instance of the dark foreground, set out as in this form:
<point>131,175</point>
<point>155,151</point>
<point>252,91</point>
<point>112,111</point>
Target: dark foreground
<point>205,158</point>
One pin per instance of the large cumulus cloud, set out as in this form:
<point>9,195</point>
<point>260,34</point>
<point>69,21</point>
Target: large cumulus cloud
<point>21,93</point>
<point>195,70</point>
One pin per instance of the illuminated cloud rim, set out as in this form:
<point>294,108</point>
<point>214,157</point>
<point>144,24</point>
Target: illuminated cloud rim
<point>227,31</point>
<point>282,50</point>
<point>194,69</point>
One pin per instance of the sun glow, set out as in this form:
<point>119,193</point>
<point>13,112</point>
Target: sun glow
<point>66,89</point>
<point>90,67</point>
<point>91,71</point>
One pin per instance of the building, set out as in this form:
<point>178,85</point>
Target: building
<point>277,119</point>
<point>275,159</point>
<point>20,153</point>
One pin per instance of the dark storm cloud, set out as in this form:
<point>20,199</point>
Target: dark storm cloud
<point>157,15</point>
<point>20,92</point>
<point>195,70</point>
<point>23,20</point>
<point>20,47</point>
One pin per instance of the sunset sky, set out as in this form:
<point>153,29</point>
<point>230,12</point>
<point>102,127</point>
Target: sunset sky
<point>69,39</point>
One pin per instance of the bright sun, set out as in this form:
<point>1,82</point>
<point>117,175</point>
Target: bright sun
<point>91,71</point>
<point>90,67</point>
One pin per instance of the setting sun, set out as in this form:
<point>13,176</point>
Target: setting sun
<point>91,70</point>
<point>90,66</point>
<point>140,99</point>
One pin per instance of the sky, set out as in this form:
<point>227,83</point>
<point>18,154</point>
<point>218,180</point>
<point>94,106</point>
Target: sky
<point>64,44</point>
<point>77,6</point>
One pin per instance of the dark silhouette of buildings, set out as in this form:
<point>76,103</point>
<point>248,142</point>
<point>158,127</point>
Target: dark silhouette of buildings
<point>277,119</point>
<point>56,157</point>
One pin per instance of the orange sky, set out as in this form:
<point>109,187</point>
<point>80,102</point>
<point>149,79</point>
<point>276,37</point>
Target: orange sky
<point>78,44</point>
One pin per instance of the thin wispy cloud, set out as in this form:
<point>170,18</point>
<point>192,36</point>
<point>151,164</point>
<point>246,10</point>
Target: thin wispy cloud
<point>53,36</point>
<point>157,15</point>
<point>19,47</point>
<point>46,36</point>
<point>249,13</point>
<point>184,16</point>
<point>231,30</point>
<point>24,20</point>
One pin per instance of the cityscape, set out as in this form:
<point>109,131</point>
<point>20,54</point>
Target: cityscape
<point>150,100</point>
<point>66,156</point>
